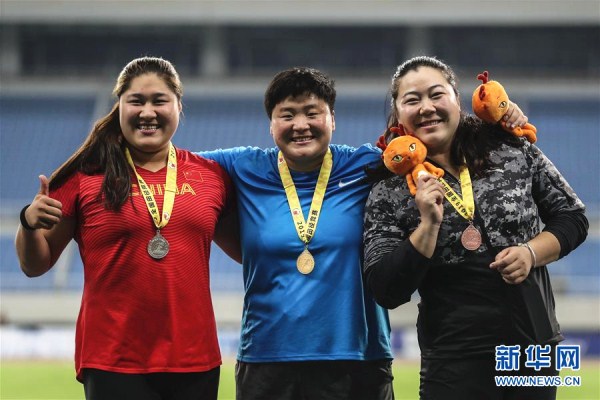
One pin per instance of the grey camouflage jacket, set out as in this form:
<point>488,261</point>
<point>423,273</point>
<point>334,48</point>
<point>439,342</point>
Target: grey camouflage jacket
<point>522,190</point>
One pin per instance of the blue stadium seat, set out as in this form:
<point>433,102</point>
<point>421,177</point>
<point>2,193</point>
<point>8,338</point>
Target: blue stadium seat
<point>12,276</point>
<point>37,138</point>
<point>222,123</point>
<point>225,274</point>
<point>578,271</point>
<point>38,134</point>
<point>568,133</point>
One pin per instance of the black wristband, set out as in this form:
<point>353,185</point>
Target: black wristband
<point>24,223</point>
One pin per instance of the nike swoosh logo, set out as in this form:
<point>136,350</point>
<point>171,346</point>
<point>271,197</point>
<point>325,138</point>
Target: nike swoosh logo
<point>342,184</point>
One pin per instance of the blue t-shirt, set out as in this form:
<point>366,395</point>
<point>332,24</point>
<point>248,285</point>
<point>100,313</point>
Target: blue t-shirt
<point>288,316</point>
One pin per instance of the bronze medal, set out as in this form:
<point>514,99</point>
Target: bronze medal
<point>158,247</point>
<point>305,262</point>
<point>471,238</point>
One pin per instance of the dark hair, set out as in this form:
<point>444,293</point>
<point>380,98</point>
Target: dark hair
<point>297,81</point>
<point>474,138</point>
<point>102,150</point>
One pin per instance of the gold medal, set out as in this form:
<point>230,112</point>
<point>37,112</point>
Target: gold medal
<point>305,228</point>
<point>471,238</point>
<point>305,262</point>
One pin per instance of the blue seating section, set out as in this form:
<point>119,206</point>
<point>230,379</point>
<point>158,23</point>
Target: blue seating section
<point>221,123</point>
<point>569,134</point>
<point>13,278</point>
<point>209,124</point>
<point>38,139</point>
<point>577,273</point>
<point>37,135</point>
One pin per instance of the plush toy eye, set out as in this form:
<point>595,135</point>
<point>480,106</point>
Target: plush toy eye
<point>503,104</point>
<point>397,158</point>
<point>412,147</point>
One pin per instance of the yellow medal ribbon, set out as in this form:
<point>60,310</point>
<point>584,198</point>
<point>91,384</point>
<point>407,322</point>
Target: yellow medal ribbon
<point>471,237</point>
<point>160,221</point>
<point>465,205</point>
<point>306,229</point>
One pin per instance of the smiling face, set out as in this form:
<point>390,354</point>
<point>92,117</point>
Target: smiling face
<point>302,127</point>
<point>149,116</point>
<point>427,106</point>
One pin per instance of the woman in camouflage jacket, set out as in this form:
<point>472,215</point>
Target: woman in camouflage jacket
<point>475,252</point>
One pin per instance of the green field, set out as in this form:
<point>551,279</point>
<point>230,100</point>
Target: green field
<point>37,380</point>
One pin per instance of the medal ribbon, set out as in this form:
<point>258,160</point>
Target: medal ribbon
<point>305,229</point>
<point>465,205</point>
<point>170,189</point>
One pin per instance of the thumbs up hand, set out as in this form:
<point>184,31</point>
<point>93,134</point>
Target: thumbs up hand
<point>44,212</point>
<point>44,186</point>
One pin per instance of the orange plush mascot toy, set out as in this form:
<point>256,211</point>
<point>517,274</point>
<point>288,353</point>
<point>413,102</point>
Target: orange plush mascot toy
<point>405,156</point>
<point>490,102</point>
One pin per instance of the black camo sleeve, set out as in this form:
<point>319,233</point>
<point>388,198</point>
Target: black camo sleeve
<point>393,268</point>
<point>560,209</point>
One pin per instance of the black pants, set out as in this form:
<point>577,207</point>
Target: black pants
<point>104,385</point>
<point>318,380</point>
<point>473,378</point>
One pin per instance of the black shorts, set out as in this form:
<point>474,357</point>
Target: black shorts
<point>105,385</point>
<point>473,378</point>
<point>323,380</point>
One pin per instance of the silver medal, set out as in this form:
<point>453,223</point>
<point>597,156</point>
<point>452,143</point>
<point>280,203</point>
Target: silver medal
<point>158,247</point>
